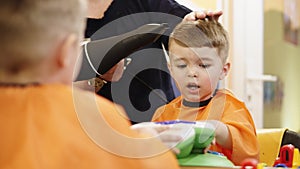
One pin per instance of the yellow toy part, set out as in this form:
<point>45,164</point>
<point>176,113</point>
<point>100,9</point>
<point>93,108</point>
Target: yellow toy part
<point>296,159</point>
<point>269,143</point>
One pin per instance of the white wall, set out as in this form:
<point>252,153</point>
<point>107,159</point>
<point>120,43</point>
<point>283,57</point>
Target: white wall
<point>247,59</point>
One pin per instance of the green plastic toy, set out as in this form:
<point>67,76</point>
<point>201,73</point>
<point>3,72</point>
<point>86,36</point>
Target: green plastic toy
<point>192,148</point>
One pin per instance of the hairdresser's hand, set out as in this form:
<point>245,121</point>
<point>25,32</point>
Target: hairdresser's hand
<point>202,14</point>
<point>95,84</point>
<point>83,84</point>
<point>115,73</point>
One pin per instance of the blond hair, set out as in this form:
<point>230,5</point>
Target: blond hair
<point>30,29</point>
<point>201,33</point>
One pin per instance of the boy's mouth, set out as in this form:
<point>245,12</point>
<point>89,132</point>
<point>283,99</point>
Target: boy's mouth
<point>193,86</point>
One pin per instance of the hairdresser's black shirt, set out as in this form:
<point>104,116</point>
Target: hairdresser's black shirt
<point>146,83</point>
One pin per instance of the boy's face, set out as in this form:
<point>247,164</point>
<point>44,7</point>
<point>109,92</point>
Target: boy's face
<point>196,71</point>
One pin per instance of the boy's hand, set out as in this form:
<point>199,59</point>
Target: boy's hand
<point>212,143</point>
<point>202,14</point>
<point>222,134</point>
<point>167,134</point>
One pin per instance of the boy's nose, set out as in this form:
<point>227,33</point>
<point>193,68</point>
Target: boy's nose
<point>192,73</point>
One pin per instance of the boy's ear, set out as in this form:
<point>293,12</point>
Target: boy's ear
<point>67,50</point>
<point>225,70</point>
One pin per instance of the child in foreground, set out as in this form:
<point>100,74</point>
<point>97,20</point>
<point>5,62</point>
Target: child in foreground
<point>44,122</point>
<point>198,52</point>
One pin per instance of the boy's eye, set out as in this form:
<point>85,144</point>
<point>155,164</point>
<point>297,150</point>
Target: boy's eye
<point>204,65</point>
<point>181,65</point>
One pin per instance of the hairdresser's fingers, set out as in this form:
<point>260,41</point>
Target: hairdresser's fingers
<point>115,73</point>
<point>200,14</point>
<point>85,85</point>
<point>195,15</point>
<point>203,14</point>
<point>215,15</point>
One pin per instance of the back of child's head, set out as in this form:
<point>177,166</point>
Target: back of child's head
<point>201,33</point>
<point>31,29</point>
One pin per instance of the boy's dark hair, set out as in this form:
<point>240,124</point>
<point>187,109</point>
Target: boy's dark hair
<point>201,33</point>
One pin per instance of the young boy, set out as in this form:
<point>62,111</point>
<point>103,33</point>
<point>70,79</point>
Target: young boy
<point>43,122</point>
<point>198,60</point>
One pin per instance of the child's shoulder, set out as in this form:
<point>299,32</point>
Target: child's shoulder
<point>230,97</point>
<point>175,103</point>
<point>177,100</point>
<point>226,92</point>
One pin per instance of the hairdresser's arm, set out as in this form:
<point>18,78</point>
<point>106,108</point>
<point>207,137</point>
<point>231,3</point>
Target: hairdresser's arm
<point>115,73</point>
